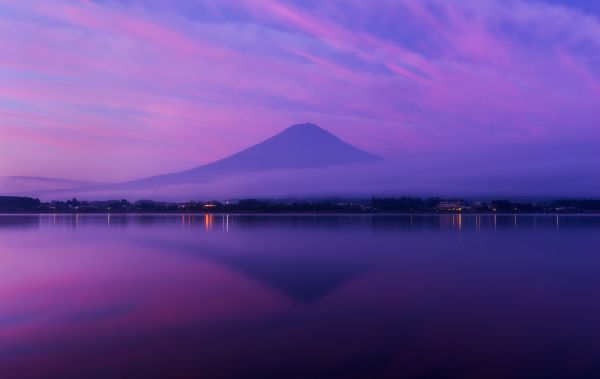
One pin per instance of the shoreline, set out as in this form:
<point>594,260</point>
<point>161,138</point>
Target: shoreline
<point>307,213</point>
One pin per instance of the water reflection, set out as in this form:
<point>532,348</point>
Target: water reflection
<point>283,296</point>
<point>408,222</point>
<point>19,221</point>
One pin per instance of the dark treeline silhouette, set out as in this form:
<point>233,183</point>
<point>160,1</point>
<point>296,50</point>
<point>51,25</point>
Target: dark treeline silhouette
<point>250,205</point>
<point>508,206</point>
<point>12,204</point>
<point>20,204</point>
<point>589,204</point>
<point>404,204</point>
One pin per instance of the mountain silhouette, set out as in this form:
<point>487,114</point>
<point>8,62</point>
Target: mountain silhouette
<point>301,155</point>
<point>301,146</point>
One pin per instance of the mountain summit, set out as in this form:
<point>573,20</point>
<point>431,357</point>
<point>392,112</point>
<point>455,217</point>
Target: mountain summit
<point>297,147</point>
<point>301,146</point>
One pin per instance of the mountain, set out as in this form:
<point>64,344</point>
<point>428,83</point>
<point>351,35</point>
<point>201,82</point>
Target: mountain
<point>305,161</point>
<point>301,146</point>
<point>303,158</point>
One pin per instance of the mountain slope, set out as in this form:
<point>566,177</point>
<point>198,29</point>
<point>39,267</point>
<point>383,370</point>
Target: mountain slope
<point>302,146</point>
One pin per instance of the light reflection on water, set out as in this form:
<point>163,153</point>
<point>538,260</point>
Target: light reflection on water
<point>222,222</point>
<point>299,296</point>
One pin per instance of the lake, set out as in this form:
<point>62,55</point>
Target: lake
<point>299,296</point>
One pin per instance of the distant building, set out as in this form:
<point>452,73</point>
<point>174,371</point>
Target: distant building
<point>451,206</point>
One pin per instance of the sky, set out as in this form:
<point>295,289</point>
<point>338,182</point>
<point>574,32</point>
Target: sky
<point>122,89</point>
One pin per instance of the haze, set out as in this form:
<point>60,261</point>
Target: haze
<point>489,96</point>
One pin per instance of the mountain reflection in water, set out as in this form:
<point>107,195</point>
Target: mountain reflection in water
<point>299,296</point>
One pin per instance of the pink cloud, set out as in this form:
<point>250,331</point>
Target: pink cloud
<point>107,74</point>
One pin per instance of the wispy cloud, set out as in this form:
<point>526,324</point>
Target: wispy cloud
<point>153,86</point>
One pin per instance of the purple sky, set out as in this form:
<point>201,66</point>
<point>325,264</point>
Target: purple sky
<point>115,90</point>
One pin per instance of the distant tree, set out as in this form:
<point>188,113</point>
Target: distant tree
<point>502,205</point>
<point>19,204</point>
<point>401,204</point>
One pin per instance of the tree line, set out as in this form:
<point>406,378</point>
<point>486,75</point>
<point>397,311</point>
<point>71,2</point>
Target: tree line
<point>405,204</point>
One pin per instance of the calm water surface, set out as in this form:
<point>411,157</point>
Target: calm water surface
<point>236,296</point>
